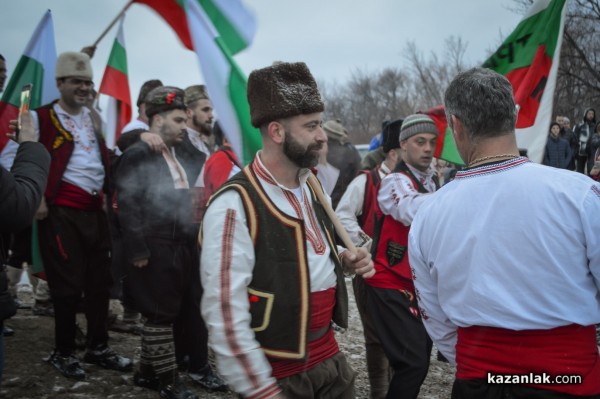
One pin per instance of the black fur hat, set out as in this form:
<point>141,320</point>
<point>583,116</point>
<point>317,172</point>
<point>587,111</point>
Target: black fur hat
<point>391,135</point>
<point>280,91</point>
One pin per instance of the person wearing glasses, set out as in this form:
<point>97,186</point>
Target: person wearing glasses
<point>73,229</point>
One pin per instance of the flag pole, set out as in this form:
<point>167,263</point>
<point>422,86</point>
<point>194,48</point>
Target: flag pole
<point>114,21</point>
<point>339,228</point>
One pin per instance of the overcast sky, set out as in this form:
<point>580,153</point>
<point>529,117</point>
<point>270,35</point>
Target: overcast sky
<point>334,37</point>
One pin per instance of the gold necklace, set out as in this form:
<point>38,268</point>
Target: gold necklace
<point>479,160</point>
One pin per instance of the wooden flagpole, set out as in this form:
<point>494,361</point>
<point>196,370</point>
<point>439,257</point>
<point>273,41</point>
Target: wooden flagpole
<point>114,21</point>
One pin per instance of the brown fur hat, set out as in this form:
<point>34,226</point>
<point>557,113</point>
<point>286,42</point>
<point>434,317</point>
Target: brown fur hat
<point>195,93</point>
<point>280,91</point>
<point>164,98</point>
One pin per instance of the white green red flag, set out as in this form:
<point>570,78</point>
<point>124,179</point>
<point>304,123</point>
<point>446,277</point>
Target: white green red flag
<point>234,23</point>
<point>225,81</point>
<point>115,84</point>
<point>529,58</point>
<point>36,66</point>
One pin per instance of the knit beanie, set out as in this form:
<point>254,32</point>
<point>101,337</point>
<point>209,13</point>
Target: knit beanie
<point>415,124</point>
<point>280,91</point>
<point>164,98</point>
<point>390,137</point>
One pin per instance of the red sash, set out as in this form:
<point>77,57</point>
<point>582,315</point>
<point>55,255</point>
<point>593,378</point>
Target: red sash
<point>321,348</point>
<point>567,350</point>
<point>75,197</point>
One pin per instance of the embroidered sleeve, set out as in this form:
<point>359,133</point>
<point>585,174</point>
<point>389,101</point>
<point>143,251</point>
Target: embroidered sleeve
<point>226,268</point>
<point>398,198</point>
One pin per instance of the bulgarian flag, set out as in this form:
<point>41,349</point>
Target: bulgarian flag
<point>115,84</point>
<point>225,81</point>
<point>227,17</point>
<point>36,66</point>
<point>529,58</point>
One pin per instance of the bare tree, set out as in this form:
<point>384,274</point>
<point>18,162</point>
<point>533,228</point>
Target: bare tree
<point>431,76</point>
<point>578,81</point>
<point>368,99</point>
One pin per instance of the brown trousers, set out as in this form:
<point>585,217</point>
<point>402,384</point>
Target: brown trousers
<point>331,379</point>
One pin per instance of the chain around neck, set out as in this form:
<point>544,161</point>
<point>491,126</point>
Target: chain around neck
<point>500,156</point>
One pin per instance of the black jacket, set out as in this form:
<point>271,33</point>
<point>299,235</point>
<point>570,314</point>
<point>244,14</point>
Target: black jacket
<point>21,191</point>
<point>148,203</point>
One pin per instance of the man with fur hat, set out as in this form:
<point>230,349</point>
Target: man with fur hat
<point>153,192</point>
<point>141,122</point>
<point>342,155</point>
<point>356,211</point>
<point>200,118</point>
<point>391,299</point>
<point>272,278</point>
<point>73,229</point>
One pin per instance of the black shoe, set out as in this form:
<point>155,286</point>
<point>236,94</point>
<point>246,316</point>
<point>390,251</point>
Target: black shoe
<point>8,332</point>
<point>68,365</point>
<point>208,379</point>
<point>177,391</point>
<point>107,358</point>
<point>149,382</point>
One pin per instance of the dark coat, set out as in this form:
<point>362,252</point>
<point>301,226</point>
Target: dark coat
<point>21,191</point>
<point>148,203</point>
<point>347,159</point>
<point>558,152</point>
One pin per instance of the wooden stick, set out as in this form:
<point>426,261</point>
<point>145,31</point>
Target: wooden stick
<point>339,229</point>
<point>114,21</point>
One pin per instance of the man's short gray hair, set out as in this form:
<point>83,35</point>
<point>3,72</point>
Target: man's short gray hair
<point>484,102</point>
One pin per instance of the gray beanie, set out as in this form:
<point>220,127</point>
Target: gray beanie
<point>415,124</point>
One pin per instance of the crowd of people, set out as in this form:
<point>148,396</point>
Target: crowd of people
<point>497,262</point>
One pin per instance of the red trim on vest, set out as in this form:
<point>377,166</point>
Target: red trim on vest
<point>73,196</point>
<point>399,275</point>
<point>319,350</point>
<point>567,350</point>
<point>199,204</point>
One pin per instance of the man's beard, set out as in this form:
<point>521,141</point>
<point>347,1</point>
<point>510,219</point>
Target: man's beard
<point>204,128</point>
<point>303,158</point>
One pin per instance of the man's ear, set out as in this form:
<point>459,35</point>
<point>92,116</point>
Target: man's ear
<point>458,129</point>
<point>276,132</point>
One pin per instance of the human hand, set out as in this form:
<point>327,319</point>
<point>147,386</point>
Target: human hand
<point>140,263</point>
<point>154,141</point>
<point>358,262</point>
<point>27,131</point>
<point>42,212</point>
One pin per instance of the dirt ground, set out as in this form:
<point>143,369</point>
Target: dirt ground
<point>27,375</point>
